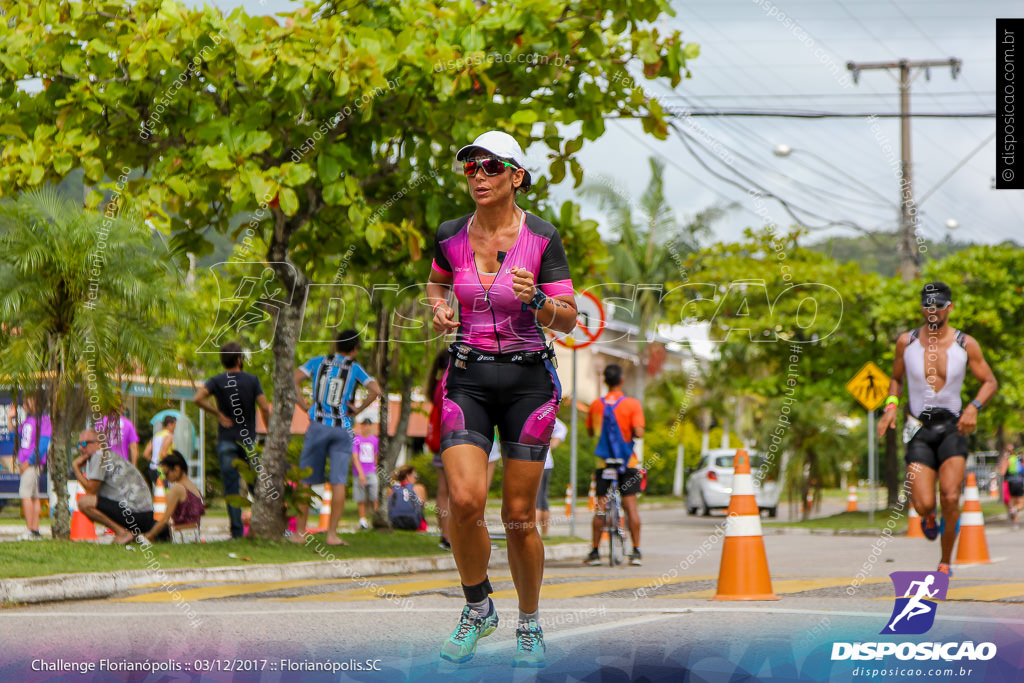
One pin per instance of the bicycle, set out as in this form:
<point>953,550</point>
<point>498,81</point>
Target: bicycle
<point>613,518</point>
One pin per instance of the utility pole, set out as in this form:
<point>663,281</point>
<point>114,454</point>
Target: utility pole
<point>910,263</point>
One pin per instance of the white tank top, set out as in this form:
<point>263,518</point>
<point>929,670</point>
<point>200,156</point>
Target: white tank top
<point>158,443</point>
<point>919,391</point>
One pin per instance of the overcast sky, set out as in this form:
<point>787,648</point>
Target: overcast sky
<point>790,55</point>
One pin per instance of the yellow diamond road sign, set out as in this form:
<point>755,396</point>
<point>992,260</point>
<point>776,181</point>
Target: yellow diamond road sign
<point>870,386</point>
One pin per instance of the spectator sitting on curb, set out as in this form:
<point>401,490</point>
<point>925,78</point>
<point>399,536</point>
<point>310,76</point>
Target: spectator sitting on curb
<point>116,494</point>
<point>184,503</point>
<point>405,504</point>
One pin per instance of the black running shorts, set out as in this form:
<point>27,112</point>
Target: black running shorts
<point>521,400</point>
<point>629,483</point>
<point>935,443</point>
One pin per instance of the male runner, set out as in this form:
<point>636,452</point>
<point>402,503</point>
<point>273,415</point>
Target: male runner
<point>934,358</point>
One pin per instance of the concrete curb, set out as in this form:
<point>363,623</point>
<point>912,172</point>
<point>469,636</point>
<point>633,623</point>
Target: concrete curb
<point>803,531</point>
<point>96,586</point>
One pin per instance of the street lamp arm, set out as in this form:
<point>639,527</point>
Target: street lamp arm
<point>784,151</point>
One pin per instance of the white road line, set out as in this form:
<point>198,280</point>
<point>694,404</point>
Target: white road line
<point>660,614</point>
<point>833,613</point>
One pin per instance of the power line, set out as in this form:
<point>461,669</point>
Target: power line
<point>767,113</point>
<point>857,95</point>
<point>911,260</point>
<point>789,207</point>
<point>956,168</point>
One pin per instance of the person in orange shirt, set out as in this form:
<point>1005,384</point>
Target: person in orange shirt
<point>629,415</point>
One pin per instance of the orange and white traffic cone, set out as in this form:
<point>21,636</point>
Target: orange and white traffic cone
<point>325,509</point>
<point>993,490</point>
<point>851,499</point>
<point>82,528</point>
<point>568,500</point>
<point>972,547</point>
<point>914,524</point>
<point>159,500</point>
<point>743,573</point>
<point>592,497</point>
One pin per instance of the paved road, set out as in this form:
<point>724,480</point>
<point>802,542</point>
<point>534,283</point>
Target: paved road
<point>601,623</point>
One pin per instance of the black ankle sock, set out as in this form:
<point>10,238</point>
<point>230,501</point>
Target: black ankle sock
<point>478,593</point>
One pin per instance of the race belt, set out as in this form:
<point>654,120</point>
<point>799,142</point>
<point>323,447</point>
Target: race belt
<point>467,354</point>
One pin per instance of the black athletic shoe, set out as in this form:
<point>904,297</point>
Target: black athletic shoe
<point>444,544</point>
<point>593,559</point>
<point>635,559</point>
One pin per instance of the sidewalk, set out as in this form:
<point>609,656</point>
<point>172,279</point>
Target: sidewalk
<point>94,586</point>
<point>102,585</point>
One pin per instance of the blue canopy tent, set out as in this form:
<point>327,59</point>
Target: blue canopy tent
<point>186,440</point>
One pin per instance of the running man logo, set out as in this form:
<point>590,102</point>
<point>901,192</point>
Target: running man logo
<point>914,612</point>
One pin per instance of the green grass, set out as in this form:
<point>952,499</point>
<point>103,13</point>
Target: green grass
<point>645,499</point>
<point>859,519</point>
<point>47,557</point>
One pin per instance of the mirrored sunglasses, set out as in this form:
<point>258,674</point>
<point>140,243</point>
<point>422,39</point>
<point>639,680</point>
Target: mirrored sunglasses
<point>491,167</point>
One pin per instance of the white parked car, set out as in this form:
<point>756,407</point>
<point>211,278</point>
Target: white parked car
<point>709,486</point>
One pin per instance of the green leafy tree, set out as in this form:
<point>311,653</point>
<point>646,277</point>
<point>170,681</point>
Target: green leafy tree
<point>334,126</point>
<point>85,299</point>
<point>792,326</point>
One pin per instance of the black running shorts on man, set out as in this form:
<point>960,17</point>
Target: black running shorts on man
<point>937,440</point>
<point>629,482</point>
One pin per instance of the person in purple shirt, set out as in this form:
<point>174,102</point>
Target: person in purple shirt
<point>365,482</point>
<point>120,436</point>
<point>33,444</point>
<point>509,273</point>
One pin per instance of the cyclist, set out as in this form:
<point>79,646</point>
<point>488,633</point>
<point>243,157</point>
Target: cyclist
<point>509,272</point>
<point>934,359</point>
<point>628,426</point>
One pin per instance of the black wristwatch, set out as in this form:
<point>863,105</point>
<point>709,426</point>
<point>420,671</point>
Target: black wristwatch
<point>537,302</point>
<point>977,404</point>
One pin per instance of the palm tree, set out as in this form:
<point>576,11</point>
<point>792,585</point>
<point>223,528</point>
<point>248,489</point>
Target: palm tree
<point>651,251</point>
<point>85,299</point>
<point>816,447</point>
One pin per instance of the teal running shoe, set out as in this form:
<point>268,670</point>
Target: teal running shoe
<point>530,648</point>
<point>461,645</point>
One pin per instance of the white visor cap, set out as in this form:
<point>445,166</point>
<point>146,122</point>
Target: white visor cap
<point>501,145</point>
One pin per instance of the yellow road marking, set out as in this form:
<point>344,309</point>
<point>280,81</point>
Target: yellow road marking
<point>994,592</point>
<point>580,588</point>
<point>780,587</point>
<point>374,590</point>
<point>213,592</point>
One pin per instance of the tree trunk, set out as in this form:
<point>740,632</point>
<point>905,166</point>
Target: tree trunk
<point>382,368</point>
<point>57,466</point>
<point>268,513</point>
<point>66,407</point>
